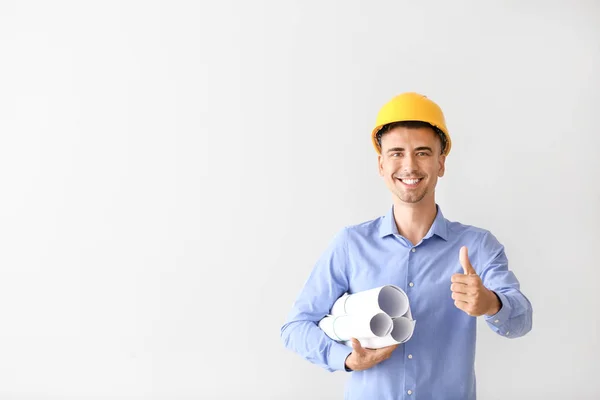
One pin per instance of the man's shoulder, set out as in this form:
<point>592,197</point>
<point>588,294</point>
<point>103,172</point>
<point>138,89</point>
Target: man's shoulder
<point>467,231</point>
<point>364,228</point>
<point>456,227</point>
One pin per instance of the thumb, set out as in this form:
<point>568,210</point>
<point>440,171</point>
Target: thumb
<point>464,261</point>
<point>357,347</point>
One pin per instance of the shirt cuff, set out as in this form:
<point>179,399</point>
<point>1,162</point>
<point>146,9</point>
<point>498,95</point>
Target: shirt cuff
<point>337,356</point>
<point>502,316</point>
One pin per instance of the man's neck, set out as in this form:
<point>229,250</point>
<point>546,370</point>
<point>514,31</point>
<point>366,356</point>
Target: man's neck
<point>414,220</point>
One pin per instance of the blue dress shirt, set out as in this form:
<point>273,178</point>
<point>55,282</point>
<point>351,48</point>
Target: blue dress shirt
<point>438,361</point>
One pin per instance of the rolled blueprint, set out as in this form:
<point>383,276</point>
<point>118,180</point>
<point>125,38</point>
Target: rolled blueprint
<point>402,330</point>
<point>344,327</point>
<point>388,299</point>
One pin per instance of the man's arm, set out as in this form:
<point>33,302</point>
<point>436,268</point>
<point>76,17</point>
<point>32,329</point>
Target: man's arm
<point>514,319</point>
<point>326,283</point>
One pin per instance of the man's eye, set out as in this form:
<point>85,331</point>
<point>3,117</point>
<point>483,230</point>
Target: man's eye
<point>421,153</point>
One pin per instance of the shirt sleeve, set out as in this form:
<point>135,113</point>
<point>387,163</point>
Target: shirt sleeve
<point>326,283</point>
<point>514,319</point>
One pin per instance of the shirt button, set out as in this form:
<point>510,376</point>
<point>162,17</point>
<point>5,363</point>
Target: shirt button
<point>409,392</point>
<point>507,332</point>
<point>496,321</point>
<point>411,284</point>
<point>410,356</point>
<point>413,250</point>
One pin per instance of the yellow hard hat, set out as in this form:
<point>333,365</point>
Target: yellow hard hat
<point>411,107</point>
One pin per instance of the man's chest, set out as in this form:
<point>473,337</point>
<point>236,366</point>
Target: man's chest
<point>422,272</point>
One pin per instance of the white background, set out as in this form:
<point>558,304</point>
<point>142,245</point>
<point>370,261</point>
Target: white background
<point>170,172</point>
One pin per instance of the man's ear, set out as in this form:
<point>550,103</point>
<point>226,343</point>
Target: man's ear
<point>380,164</point>
<point>442,164</point>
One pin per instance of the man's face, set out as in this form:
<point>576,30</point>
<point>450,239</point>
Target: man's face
<point>410,163</point>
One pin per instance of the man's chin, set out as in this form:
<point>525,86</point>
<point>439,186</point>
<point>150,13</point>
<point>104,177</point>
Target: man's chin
<point>412,199</point>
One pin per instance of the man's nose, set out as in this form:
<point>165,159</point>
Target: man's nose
<point>409,163</point>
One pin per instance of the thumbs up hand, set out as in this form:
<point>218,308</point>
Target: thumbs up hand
<point>468,291</point>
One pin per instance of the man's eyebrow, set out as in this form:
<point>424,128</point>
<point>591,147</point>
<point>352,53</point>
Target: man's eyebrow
<point>416,149</point>
<point>395,149</point>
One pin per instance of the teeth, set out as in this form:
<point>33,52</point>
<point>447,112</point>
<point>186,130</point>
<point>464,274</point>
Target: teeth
<point>410,181</point>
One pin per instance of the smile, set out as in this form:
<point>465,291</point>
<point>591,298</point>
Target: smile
<point>413,182</point>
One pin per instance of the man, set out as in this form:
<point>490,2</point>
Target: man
<point>452,273</point>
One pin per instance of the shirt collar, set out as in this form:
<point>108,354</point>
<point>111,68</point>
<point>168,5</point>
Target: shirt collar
<point>439,226</point>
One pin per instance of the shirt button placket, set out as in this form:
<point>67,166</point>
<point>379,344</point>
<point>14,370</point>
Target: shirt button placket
<point>410,367</point>
<point>410,264</point>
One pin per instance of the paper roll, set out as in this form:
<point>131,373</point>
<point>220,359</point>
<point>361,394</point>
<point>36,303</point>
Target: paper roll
<point>402,331</point>
<point>343,328</point>
<point>388,299</point>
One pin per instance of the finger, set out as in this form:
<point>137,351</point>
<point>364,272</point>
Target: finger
<point>385,352</point>
<point>464,279</point>
<point>387,349</point>
<point>461,305</point>
<point>464,288</point>
<point>460,288</point>
<point>357,347</point>
<point>465,262</point>
<point>462,297</point>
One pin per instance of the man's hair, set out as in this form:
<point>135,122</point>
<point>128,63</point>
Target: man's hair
<point>411,125</point>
